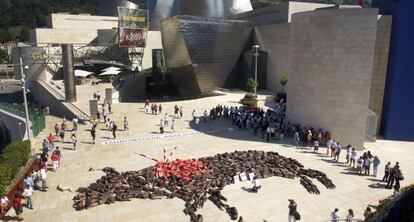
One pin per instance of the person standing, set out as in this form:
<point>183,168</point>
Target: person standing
<point>55,160</point>
<point>43,176</point>
<point>126,124</point>
<point>57,129</point>
<point>4,204</point>
<point>193,114</point>
<point>316,146</point>
<point>45,146</point>
<point>350,217</point>
<point>197,121</point>
<point>398,176</point>
<point>181,112</point>
<point>256,185</point>
<point>114,128</point>
<point>376,163</point>
<point>74,140</point>
<point>166,120</point>
<point>51,140</point>
<point>386,172</point>
<point>98,95</point>
<point>162,126</point>
<point>335,215</point>
<point>18,205</point>
<point>292,210</point>
<point>28,194</point>
<point>338,151</point>
<point>62,135</point>
<point>28,181</point>
<point>75,124</point>
<point>391,177</point>
<point>309,138</point>
<point>93,134</point>
<point>360,163</point>
<point>367,165</point>
<point>296,139</point>
<point>173,125</point>
<point>367,213</point>
<point>155,109</point>
<point>205,115</point>
<point>160,109</point>
<point>353,157</point>
<point>98,116</point>
<point>268,131</point>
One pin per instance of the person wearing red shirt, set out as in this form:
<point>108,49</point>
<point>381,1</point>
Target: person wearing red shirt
<point>51,140</point>
<point>55,161</point>
<point>18,204</point>
<point>42,164</point>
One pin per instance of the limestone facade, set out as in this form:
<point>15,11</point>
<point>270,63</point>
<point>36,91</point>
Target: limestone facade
<point>379,72</point>
<point>274,39</point>
<point>331,62</point>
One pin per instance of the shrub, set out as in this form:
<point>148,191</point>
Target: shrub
<point>4,177</point>
<point>12,158</point>
<point>249,100</point>
<point>251,84</point>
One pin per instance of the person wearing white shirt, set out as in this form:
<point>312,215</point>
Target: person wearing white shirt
<point>353,157</point>
<point>335,215</point>
<point>256,184</point>
<point>4,204</point>
<point>27,194</point>
<point>43,176</point>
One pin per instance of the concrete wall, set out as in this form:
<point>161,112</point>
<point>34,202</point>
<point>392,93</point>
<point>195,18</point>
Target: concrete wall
<point>379,72</point>
<point>296,7</point>
<point>72,29</point>
<point>154,41</point>
<point>265,16</point>
<point>63,36</point>
<point>83,21</point>
<point>332,56</point>
<point>274,39</point>
<point>12,122</point>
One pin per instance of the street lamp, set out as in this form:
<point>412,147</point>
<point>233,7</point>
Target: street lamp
<point>256,54</point>
<point>26,109</point>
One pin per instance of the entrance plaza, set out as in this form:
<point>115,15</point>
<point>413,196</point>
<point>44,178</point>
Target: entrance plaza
<point>269,204</point>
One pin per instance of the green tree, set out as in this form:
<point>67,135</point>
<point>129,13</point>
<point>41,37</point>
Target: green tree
<point>4,57</point>
<point>251,84</point>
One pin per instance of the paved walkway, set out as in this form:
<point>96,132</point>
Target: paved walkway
<point>269,204</point>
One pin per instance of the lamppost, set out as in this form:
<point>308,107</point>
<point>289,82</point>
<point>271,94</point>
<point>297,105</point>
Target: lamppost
<point>256,54</point>
<point>26,109</point>
<point>20,130</point>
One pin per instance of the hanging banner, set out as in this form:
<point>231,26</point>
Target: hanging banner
<point>133,18</point>
<point>132,37</point>
<point>133,24</point>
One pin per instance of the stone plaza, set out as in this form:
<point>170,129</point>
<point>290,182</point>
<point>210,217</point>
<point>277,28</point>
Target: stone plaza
<point>270,204</point>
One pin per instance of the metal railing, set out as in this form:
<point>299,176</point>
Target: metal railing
<point>36,117</point>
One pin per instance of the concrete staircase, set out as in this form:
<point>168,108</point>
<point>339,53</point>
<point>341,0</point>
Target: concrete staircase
<point>56,101</point>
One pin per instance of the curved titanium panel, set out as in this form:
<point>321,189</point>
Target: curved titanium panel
<point>159,10</point>
<point>202,52</point>
<point>110,7</point>
<point>214,8</point>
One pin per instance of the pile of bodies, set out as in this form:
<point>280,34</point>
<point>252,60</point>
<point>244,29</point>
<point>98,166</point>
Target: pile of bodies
<point>221,168</point>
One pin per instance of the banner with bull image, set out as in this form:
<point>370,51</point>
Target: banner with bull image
<point>133,24</point>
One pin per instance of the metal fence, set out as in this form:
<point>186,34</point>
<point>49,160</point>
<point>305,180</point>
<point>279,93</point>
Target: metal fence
<point>36,117</point>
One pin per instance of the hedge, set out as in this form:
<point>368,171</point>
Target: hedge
<point>12,158</point>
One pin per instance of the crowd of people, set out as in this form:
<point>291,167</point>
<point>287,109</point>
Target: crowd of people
<point>334,216</point>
